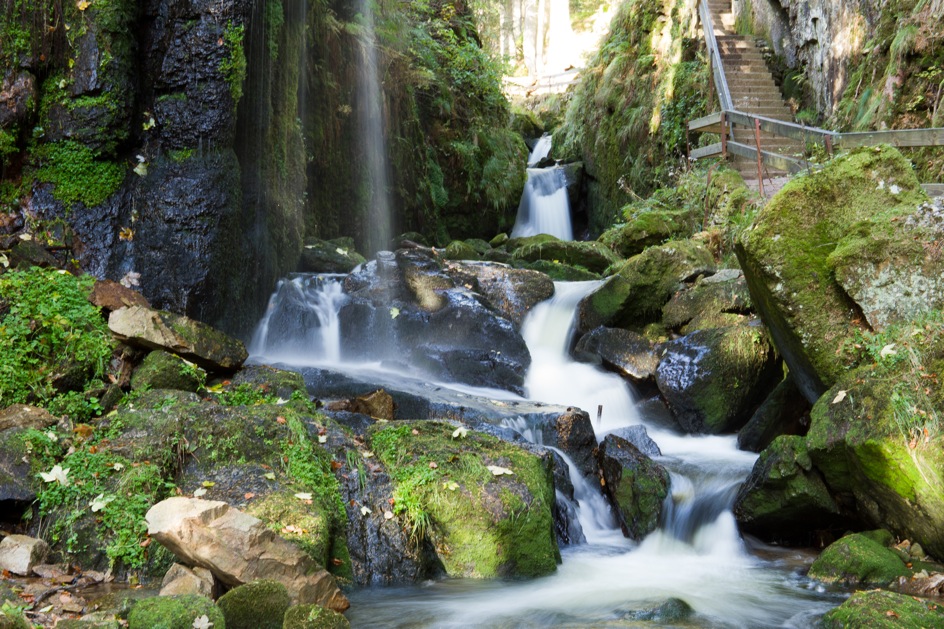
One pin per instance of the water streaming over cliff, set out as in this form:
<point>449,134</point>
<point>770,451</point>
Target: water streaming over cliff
<point>373,136</point>
<point>544,206</point>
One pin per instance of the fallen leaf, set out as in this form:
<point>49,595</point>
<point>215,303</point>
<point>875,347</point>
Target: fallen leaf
<point>280,419</point>
<point>451,485</point>
<point>388,515</point>
<point>203,622</point>
<point>336,465</point>
<point>336,562</point>
<point>839,397</point>
<point>99,502</point>
<point>249,495</point>
<point>303,495</point>
<point>888,350</point>
<point>394,313</point>
<point>498,471</point>
<point>197,493</point>
<point>365,511</point>
<point>56,475</point>
<point>433,465</point>
<point>269,476</point>
<point>208,483</point>
<point>415,431</point>
<point>82,5</point>
<point>460,432</point>
<point>323,439</point>
<point>367,454</point>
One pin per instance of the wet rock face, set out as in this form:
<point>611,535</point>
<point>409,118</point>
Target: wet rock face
<point>635,484</point>
<point>630,353</point>
<point>419,317</point>
<point>713,380</point>
<point>17,91</point>
<point>512,292</point>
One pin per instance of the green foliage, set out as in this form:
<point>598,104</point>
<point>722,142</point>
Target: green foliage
<point>174,612</point>
<point>244,395</point>
<point>274,20</point>
<point>628,116</point>
<point>77,173</point>
<point>99,486</point>
<point>233,65</point>
<point>48,327</point>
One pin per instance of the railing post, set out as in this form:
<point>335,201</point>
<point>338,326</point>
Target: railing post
<point>829,145</point>
<point>760,159</point>
<point>724,135</point>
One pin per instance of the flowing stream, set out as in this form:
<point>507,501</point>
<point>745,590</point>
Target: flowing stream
<point>696,555</point>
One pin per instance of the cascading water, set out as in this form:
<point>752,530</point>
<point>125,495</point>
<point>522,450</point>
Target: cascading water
<point>379,228</point>
<point>544,206</point>
<point>696,555</point>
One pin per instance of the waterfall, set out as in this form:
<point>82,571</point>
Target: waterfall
<point>379,228</point>
<point>544,206</point>
<point>555,377</point>
<point>301,324</point>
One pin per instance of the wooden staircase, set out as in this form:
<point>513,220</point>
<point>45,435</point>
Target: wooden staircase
<point>753,91</point>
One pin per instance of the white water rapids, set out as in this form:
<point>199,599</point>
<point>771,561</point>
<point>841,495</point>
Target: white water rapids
<point>544,207</point>
<point>696,556</point>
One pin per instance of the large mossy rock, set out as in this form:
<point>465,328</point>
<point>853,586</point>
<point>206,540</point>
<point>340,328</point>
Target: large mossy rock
<point>867,437</point>
<point>715,301</point>
<point>858,559</point>
<point>881,609</point>
<point>163,370</point>
<point>714,379</point>
<point>784,412</point>
<point>635,295</point>
<point>629,353</point>
<point>635,484</point>
<point>837,251</point>
<point>591,255</point>
<point>155,329</point>
<point>330,256</point>
<point>785,498</point>
<point>485,505</point>
<point>257,605</point>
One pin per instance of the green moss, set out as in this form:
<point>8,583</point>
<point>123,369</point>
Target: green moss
<point>181,155</point>
<point>880,609</point>
<point>48,329</point>
<point>174,612</point>
<point>233,65</point>
<point>257,605</point>
<point>102,499</point>
<point>77,173</point>
<point>627,118</point>
<point>314,617</point>
<point>162,370</point>
<point>858,560</point>
<point>481,525</point>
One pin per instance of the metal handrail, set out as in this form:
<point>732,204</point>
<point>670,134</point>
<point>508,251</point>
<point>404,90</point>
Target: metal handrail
<point>714,54</point>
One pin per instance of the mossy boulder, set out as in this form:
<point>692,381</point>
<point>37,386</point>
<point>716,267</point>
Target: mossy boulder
<point>329,256</point>
<point>314,617</point>
<point>714,301</point>
<point>646,228</point>
<point>256,605</point>
<point>635,484</point>
<point>838,251</point>
<point>784,412</point>
<point>484,505</point>
<point>713,380</point>
<point>460,250</point>
<point>881,609</point>
<point>267,380</point>
<point>174,612</point>
<point>870,446</point>
<point>858,559</point>
<point>636,294</point>
<point>557,271</point>
<point>163,370</point>
<point>785,498</point>
<point>593,256</point>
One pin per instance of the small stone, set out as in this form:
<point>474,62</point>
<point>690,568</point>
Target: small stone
<point>19,553</point>
<point>183,580</point>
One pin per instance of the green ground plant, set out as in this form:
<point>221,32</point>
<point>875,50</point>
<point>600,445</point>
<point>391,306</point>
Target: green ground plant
<point>48,329</point>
